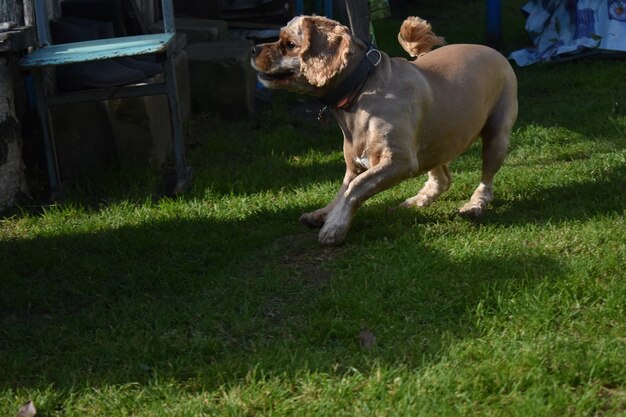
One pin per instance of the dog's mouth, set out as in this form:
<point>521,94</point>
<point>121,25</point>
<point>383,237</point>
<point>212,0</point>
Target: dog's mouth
<point>276,76</point>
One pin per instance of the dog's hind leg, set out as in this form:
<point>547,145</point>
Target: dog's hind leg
<point>439,180</point>
<point>495,143</point>
<point>494,151</point>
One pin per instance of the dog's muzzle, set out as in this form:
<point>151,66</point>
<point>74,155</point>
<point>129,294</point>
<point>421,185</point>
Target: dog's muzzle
<point>255,51</point>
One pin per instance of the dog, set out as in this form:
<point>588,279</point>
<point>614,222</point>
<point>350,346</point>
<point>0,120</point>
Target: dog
<point>399,118</point>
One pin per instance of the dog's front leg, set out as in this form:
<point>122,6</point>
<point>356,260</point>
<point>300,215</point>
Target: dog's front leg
<point>384,175</point>
<point>317,218</point>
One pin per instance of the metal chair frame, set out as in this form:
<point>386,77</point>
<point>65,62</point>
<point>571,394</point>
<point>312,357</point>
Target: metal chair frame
<point>49,55</point>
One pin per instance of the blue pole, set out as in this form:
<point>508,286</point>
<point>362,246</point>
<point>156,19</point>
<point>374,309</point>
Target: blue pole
<point>327,11</point>
<point>494,22</point>
<point>299,9</point>
<point>328,8</point>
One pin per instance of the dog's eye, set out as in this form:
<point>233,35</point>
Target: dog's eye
<point>290,45</point>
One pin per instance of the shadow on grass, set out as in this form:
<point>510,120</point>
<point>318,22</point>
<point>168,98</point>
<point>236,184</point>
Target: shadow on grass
<point>208,301</point>
<point>583,96</point>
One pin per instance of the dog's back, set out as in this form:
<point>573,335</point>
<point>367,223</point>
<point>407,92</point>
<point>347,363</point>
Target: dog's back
<point>456,70</point>
<point>473,88</point>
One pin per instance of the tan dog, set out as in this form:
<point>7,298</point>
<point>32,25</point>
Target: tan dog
<point>399,118</point>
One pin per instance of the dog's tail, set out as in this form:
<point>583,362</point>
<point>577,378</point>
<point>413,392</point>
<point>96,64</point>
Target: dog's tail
<point>417,37</point>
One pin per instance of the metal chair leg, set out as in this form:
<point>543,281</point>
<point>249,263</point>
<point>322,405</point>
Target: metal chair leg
<point>183,171</point>
<point>54,176</point>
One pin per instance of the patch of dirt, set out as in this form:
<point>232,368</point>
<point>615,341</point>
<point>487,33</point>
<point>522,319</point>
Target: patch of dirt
<point>307,264</point>
<point>307,258</point>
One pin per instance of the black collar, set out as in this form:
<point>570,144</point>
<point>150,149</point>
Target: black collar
<point>342,96</point>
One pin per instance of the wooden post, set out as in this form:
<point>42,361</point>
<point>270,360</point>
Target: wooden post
<point>359,18</point>
<point>11,164</point>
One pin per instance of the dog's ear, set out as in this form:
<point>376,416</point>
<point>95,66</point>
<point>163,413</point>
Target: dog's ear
<point>327,48</point>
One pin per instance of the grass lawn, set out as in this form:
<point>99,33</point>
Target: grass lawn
<point>120,302</point>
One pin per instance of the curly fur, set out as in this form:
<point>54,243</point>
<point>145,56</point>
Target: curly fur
<point>417,38</point>
<point>328,47</point>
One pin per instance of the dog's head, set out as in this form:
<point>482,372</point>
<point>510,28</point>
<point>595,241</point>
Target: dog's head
<point>311,52</point>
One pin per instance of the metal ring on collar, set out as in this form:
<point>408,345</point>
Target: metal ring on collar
<point>380,56</point>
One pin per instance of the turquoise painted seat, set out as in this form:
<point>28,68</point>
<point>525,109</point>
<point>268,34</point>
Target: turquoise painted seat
<point>49,55</point>
<point>87,51</point>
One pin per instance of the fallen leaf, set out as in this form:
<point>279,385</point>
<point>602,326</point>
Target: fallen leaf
<point>27,410</point>
<point>367,339</point>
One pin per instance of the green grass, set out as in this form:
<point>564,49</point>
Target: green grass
<point>122,302</point>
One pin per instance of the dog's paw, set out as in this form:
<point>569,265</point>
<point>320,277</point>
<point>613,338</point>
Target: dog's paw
<point>417,201</point>
<point>313,220</point>
<point>472,210</point>
<point>332,235</point>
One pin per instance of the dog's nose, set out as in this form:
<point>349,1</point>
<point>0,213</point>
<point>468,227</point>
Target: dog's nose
<point>255,51</point>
